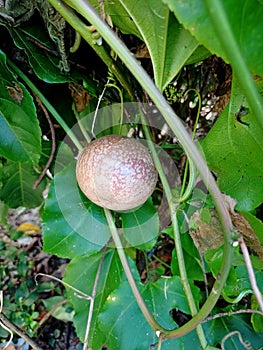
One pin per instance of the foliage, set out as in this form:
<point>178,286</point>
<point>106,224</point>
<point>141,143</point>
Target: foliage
<point>21,294</point>
<point>173,286</point>
<point>242,164</point>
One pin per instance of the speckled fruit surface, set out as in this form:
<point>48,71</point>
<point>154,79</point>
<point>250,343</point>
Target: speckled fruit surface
<point>116,172</point>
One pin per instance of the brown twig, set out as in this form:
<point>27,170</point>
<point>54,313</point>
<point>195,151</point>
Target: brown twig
<point>251,273</point>
<point>225,314</point>
<point>53,148</point>
<point>54,53</point>
<point>78,292</point>
<point>245,343</point>
<point>43,47</point>
<point>18,331</point>
<point>49,313</point>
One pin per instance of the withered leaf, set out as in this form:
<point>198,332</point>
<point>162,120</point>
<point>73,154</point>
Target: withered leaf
<point>242,227</point>
<point>80,97</point>
<point>206,235</point>
<point>142,51</point>
<point>15,92</point>
<point>210,236</point>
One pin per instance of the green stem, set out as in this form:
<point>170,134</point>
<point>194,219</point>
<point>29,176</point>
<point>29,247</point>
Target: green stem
<point>88,12</point>
<point>147,314</point>
<point>122,105</point>
<point>163,263</point>
<point>185,193</point>
<point>84,30</point>
<point>227,40</point>
<point>177,236</point>
<point>81,126</point>
<point>47,104</point>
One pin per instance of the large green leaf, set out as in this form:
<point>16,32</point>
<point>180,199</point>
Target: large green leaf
<point>169,44</point>
<point>238,283</point>
<point>246,23</point>
<point>17,180</point>
<point>256,224</point>
<point>20,134</point>
<point>44,64</point>
<point>234,290</point>
<point>233,326</point>
<point>234,150</point>
<point>141,226</point>
<point>72,225</point>
<point>117,14</point>
<point>81,273</point>
<point>126,327</point>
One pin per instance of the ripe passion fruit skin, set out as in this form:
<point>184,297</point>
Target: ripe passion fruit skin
<point>116,172</point>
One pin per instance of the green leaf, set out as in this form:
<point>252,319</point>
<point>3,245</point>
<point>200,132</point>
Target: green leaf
<point>234,150</point>
<point>198,55</point>
<point>18,179</point>
<point>118,15</point>
<point>231,326</point>
<point>81,273</point>
<point>213,258</point>
<point>160,297</point>
<point>72,225</point>
<point>256,224</point>
<point>3,208</point>
<point>141,226</point>
<point>243,277</point>
<point>238,283</point>
<point>195,202</point>
<point>169,44</point>
<point>59,308</point>
<point>20,134</point>
<point>245,19</point>
<point>256,319</point>
<point>63,156</point>
<point>44,64</point>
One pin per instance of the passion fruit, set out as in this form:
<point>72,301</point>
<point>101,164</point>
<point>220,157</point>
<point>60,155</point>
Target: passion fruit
<point>116,172</point>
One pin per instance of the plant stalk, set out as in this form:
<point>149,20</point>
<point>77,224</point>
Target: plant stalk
<point>227,39</point>
<point>177,237</point>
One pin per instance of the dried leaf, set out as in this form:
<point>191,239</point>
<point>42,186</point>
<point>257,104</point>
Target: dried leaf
<point>142,51</point>
<point>243,228</point>
<point>206,235</point>
<point>28,228</point>
<point>210,236</point>
<point>10,347</point>
<point>80,97</point>
<point>15,92</point>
